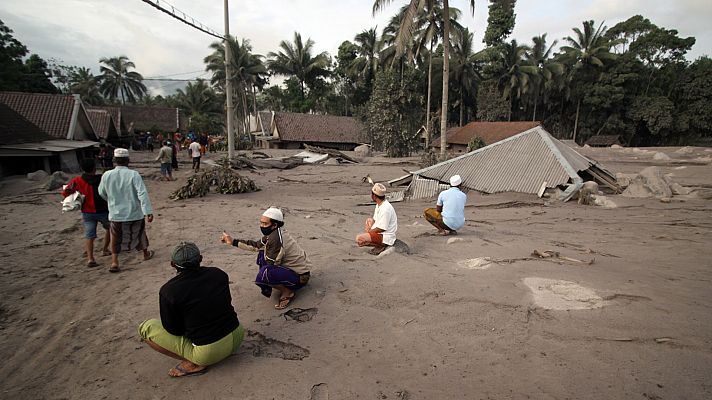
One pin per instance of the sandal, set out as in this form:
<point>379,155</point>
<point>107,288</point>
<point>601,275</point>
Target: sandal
<point>183,372</point>
<point>377,250</point>
<point>150,255</point>
<point>91,264</point>
<point>284,302</point>
<point>114,268</point>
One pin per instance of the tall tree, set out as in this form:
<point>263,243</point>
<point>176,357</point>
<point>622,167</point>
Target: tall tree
<point>587,52</point>
<point>248,74</point>
<point>296,59</point>
<point>404,36</point>
<point>514,80</point>
<point>117,80</point>
<point>85,84</point>
<point>465,73</point>
<point>500,22</point>
<point>540,56</point>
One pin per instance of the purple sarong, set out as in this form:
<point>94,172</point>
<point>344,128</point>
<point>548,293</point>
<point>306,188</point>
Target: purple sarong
<point>270,275</point>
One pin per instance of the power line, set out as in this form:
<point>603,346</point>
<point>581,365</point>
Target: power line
<point>183,17</point>
<point>181,73</point>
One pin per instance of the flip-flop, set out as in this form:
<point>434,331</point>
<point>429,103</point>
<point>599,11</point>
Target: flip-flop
<point>150,255</point>
<point>92,264</point>
<point>114,268</point>
<point>377,250</point>
<point>185,373</point>
<point>284,301</point>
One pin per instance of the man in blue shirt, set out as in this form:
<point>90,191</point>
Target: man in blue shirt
<point>129,208</point>
<point>449,216</point>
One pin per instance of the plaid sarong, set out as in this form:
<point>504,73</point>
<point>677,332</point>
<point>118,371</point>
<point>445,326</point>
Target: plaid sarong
<point>130,235</point>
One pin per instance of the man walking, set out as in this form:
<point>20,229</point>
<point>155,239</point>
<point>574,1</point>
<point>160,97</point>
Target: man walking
<point>380,231</point>
<point>195,153</point>
<point>165,156</point>
<point>449,214</point>
<point>129,208</point>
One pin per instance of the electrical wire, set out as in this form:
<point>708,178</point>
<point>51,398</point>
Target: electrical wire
<point>184,18</point>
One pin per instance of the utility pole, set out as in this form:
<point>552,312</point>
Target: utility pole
<point>228,89</point>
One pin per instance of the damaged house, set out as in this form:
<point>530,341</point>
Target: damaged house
<point>489,132</point>
<point>529,162</point>
<point>43,131</point>
<point>294,130</point>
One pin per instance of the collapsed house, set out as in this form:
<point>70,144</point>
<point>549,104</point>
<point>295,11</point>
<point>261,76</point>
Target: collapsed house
<point>529,162</point>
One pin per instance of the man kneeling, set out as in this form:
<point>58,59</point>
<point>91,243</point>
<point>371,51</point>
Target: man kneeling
<point>198,324</point>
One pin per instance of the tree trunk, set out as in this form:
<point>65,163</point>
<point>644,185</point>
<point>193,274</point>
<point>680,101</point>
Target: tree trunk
<point>578,107</point>
<point>430,83</point>
<point>446,77</point>
<point>536,102</point>
<point>461,106</point>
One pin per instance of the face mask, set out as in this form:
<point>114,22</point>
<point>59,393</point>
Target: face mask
<point>266,230</point>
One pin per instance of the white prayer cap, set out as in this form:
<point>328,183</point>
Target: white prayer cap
<point>274,213</point>
<point>121,153</point>
<point>455,180</point>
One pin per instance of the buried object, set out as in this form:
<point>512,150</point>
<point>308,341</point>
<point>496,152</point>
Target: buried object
<point>222,178</point>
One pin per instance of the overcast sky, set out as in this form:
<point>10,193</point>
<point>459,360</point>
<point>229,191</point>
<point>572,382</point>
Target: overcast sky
<point>79,32</point>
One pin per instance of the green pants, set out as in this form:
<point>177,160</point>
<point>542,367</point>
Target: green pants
<point>208,354</point>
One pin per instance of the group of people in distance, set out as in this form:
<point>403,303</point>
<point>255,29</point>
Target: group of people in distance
<point>198,324</point>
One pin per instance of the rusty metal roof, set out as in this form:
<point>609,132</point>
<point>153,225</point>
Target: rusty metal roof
<point>520,163</point>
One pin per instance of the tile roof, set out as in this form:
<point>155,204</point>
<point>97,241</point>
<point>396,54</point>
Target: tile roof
<point>166,119</point>
<point>294,127</point>
<point>116,117</point>
<point>265,121</point>
<point>490,132</point>
<point>102,122</point>
<point>604,140</point>
<point>52,113</point>
<point>16,129</point>
<point>521,163</point>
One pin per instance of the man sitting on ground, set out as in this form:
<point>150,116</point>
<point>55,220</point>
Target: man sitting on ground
<point>449,216</point>
<point>380,231</point>
<point>198,324</point>
<point>283,264</point>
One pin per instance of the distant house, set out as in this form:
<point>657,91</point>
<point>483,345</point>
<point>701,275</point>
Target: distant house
<point>103,124</point>
<point>144,119</point>
<point>62,116</point>
<point>293,130</point>
<point>25,147</point>
<point>489,132</point>
<point>116,118</point>
<point>604,141</point>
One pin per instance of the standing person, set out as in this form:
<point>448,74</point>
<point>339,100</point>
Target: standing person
<point>203,141</point>
<point>149,142</point>
<point>159,138</point>
<point>195,152</point>
<point>449,214</point>
<point>165,157</point>
<point>94,208</point>
<point>198,324</point>
<point>283,264</point>
<point>174,155</point>
<point>129,208</point>
<point>380,231</point>
<point>105,156</point>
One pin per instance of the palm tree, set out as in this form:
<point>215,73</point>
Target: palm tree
<point>198,97</point>
<point>85,84</point>
<point>587,52</point>
<point>368,48</point>
<point>404,36</point>
<point>430,31</point>
<point>514,81</point>
<point>540,56</point>
<point>464,71</point>
<point>248,73</point>
<point>116,79</point>
<point>296,60</point>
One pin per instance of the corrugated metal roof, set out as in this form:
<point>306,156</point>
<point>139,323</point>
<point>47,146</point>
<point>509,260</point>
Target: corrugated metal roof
<point>57,146</point>
<point>420,188</point>
<point>517,164</point>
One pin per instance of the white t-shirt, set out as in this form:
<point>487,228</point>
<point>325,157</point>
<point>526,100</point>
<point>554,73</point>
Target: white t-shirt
<point>385,218</point>
<point>194,149</point>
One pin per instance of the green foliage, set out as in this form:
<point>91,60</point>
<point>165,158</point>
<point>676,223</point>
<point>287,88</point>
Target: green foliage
<point>490,104</point>
<point>118,82</point>
<point>19,74</point>
<point>500,22</point>
<point>393,112</point>
<point>208,123</point>
<point>475,143</point>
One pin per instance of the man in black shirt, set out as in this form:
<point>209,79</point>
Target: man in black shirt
<point>198,324</point>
